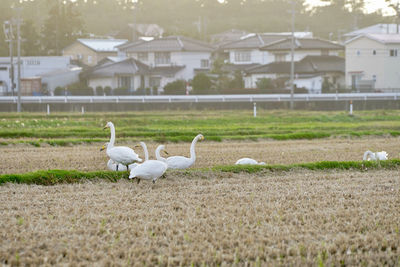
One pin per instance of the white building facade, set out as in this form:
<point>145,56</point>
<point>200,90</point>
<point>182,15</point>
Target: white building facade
<point>373,62</point>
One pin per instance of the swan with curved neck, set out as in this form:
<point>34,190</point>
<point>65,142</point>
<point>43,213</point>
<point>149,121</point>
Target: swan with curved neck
<point>149,169</point>
<point>180,162</point>
<point>369,155</point>
<point>120,154</point>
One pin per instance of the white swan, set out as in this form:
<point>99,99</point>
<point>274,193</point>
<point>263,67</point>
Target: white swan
<point>120,154</point>
<point>368,155</point>
<point>112,166</point>
<point>248,161</point>
<point>149,169</point>
<point>180,162</point>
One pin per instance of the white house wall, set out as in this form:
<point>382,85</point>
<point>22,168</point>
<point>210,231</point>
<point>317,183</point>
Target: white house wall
<point>382,67</point>
<point>103,82</point>
<point>313,85</point>
<point>192,60</point>
<point>256,56</point>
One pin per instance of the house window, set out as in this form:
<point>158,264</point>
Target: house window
<point>280,57</point>
<point>124,82</point>
<point>162,58</point>
<point>374,52</point>
<point>358,52</point>
<point>324,52</point>
<point>205,63</point>
<point>242,56</point>
<point>142,56</point>
<point>89,59</point>
<point>393,52</point>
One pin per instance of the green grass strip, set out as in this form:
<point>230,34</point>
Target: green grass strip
<point>52,177</point>
<point>323,165</point>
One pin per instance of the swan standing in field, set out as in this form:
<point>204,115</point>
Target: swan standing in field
<point>120,154</point>
<point>149,169</point>
<point>368,155</point>
<point>180,162</point>
<point>112,166</point>
<point>248,161</point>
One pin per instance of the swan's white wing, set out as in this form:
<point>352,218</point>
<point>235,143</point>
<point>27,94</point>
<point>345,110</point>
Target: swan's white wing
<point>246,161</point>
<point>123,155</point>
<point>149,170</point>
<point>382,155</point>
<point>179,162</point>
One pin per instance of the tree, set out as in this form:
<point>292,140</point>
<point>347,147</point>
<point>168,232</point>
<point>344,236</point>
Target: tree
<point>395,5</point>
<point>61,28</point>
<point>31,39</point>
<point>177,87</point>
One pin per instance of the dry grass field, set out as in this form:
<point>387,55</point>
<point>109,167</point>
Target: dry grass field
<point>293,218</point>
<point>25,158</point>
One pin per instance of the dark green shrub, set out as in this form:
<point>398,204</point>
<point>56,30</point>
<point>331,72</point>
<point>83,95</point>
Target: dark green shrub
<point>201,84</point>
<point>59,91</point>
<point>80,88</point>
<point>265,84</point>
<point>177,87</point>
<point>107,90</point>
<point>99,90</point>
<point>121,91</point>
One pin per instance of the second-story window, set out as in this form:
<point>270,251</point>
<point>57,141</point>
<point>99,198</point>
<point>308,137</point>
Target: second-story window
<point>280,57</point>
<point>162,58</point>
<point>205,63</point>
<point>142,56</point>
<point>393,52</point>
<point>242,56</point>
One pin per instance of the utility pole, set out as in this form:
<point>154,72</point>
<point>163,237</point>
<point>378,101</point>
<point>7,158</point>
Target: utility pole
<point>9,37</point>
<point>292,59</point>
<point>19,58</point>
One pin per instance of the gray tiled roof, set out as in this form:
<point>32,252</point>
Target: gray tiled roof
<point>236,67</point>
<point>302,43</point>
<point>308,65</point>
<point>168,44</point>
<point>254,41</point>
<point>128,66</point>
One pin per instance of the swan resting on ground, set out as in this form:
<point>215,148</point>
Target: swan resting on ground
<point>180,162</point>
<point>248,161</point>
<point>368,155</point>
<point>112,166</point>
<point>149,169</point>
<point>120,154</point>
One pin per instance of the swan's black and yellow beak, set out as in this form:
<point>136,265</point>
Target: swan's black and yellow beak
<point>102,148</point>
<point>201,138</point>
<point>165,152</point>
<point>105,127</point>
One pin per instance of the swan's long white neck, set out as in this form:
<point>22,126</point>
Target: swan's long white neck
<point>112,139</point>
<point>370,154</point>
<point>158,156</point>
<point>146,152</point>
<point>192,151</point>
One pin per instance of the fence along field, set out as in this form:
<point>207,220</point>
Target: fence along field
<point>340,212</point>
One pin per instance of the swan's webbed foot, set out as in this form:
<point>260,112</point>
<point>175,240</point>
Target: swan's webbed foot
<point>154,181</point>
<point>138,180</point>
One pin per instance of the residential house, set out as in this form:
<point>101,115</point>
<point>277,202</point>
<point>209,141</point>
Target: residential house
<point>246,52</point>
<point>381,28</point>
<point>91,51</point>
<point>38,74</point>
<point>117,73</point>
<point>312,72</point>
<point>373,62</point>
<point>170,58</point>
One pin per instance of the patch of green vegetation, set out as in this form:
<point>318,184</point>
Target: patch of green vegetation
<point>177,126</point>
<point>52,177</point>
<point>323,165</point>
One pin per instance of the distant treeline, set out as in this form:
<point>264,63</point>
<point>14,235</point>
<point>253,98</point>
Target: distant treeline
<point>50,25</point>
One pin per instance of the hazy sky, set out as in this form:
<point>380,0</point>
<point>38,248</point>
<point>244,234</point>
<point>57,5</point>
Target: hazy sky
<point>371,5</point>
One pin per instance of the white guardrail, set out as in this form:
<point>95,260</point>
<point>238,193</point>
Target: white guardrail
<point>201,98</point>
